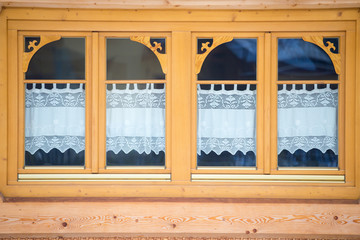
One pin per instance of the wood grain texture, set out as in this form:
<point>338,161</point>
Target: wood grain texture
<point>176,238</point>
<point>184,4</point>
<point>179,218</point>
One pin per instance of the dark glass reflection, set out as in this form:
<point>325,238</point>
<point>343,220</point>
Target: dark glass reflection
<point>301,60</point>
<point>55,158</point>
<point>239,159</point>
<point>312,158</point>
<point>129,60</point>
<point>235,60</point>
<point>133,158</point>
<point>62,59</point>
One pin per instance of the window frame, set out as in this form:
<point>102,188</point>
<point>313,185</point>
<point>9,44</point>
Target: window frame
<point>102,104</point>
<point>341,107</point>
<point>21,169</point>
<point>259,82</point>
<point>181,186</point>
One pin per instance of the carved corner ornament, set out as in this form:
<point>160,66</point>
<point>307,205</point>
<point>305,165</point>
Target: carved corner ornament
<point>154,48</point>
<point>34,46</point>
<point>335,57</point>
<point>200,58</point>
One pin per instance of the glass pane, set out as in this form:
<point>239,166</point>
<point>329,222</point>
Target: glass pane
<point>135,124</point>
<point>301,60</point>
<point>62,59</point>
<point>235,60</point>
<point>130,60</point>
<point>226,127</point>
<point>308,125</point>
<point>54,124</point>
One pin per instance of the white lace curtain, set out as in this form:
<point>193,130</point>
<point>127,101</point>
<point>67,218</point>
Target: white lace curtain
<point>54,118</point>
<point>226,120</point>
<point>135,118</point>
<point>308,119</point>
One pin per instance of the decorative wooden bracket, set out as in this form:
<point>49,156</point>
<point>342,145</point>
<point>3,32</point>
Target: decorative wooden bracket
<point>200,58</point>
<point>335,57</point>
<point>146,41</point>
<point>43,41</point>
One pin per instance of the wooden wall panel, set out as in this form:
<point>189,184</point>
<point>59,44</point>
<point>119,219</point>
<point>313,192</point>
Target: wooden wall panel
<point>179,218</point>
<point>178,238</point>
<point>184,4</point>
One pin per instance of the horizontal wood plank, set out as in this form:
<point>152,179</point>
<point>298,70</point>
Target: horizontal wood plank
<point>179,218</point>
<point>183,4</point>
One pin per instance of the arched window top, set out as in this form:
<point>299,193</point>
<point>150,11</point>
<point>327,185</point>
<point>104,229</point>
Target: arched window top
<point>306,60</point>
<point>61,58</point>
<point>132,59</point>
<point>234,60</point>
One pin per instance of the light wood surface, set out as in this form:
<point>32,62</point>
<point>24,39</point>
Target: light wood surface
<point>181,4</point>
<point>179,218</point>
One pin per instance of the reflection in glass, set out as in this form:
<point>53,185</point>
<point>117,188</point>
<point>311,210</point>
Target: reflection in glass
<point>235,60</point>
<point>301,60</point>
<point>308,125</point>
<point>135,124</point>
<point>130,60</point>
<point>54,124</point>
<point>226,127</point>
<point>62,59</point>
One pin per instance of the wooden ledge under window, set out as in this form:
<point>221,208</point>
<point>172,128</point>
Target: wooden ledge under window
<point>93,177</point>
<point>267,178</point>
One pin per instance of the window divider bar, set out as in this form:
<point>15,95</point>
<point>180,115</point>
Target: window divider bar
<point>180,108</point>
<point>94,82</point>
<point>101,91</point>
<point>267,77</point>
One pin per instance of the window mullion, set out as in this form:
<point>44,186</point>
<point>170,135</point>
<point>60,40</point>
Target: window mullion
<point>271,90</point>
<point>94,88</point>
<point>180,108</point>
<point>267,79</point>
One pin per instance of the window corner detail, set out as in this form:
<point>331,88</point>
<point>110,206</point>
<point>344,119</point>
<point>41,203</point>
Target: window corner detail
<point>155,47</point>
<point>34,46</point>
<point>328,47</point>
<point>206,48</point>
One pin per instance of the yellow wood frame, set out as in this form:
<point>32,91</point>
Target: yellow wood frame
<point>102,100</point>
<point>259,82</point>
<point>20,95</point>
<point>179,27</point>
<point>272,98</point>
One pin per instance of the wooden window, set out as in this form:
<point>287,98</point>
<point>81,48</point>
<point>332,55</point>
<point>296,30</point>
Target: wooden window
<point>178,110</point>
